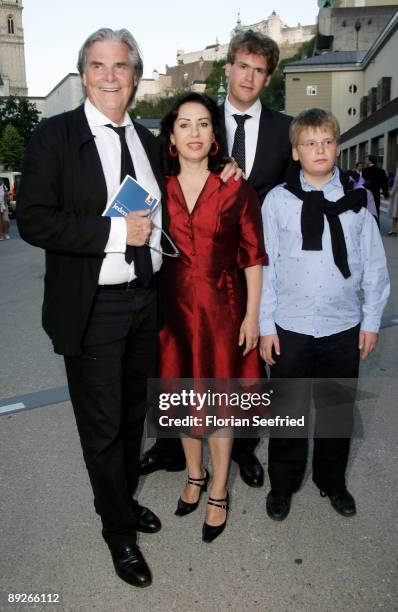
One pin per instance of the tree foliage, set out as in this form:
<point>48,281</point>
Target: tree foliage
<point>12,148</point>
<point>153,109</point>
<point>20,113</point>
<point>215,78</point>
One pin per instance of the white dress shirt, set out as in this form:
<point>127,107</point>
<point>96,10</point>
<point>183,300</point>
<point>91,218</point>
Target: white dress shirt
<point>114,268</point>
<point>304,291</point>
<point>251,130</point>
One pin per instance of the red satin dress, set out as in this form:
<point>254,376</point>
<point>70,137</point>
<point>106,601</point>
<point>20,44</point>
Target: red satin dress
<point>205,288</point>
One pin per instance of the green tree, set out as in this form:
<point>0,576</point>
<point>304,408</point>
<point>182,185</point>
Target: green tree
<point>216,77</point>
<point>154,109</point>
<point>12,148</point>
<point>20,113</point>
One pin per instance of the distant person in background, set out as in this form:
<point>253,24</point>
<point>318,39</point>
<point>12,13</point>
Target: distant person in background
<point>356,174</point>
<point>393,208</point>
<point>4,216</point>
<point>377,179</point>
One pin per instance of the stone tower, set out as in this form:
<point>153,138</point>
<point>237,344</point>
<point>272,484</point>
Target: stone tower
<point>12,49</point>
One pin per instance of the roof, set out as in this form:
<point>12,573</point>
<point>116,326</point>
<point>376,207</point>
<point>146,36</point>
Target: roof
<point>331,58</point>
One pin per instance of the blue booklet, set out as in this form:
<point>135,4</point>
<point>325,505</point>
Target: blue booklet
<point>130,197</point>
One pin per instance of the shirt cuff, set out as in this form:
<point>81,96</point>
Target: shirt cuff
<point>117,236</point>
<point>267,327</point>
<point>371,324</point>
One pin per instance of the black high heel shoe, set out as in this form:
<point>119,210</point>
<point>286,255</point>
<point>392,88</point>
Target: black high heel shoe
<point>184,507</point>
<point>209,532</point>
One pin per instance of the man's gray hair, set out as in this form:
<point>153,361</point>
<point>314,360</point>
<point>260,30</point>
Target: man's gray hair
<point>124,36</point>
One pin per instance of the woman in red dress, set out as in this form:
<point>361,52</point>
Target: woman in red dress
<point>213,288</point>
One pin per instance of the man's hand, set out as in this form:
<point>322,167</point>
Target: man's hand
<point>367,342</point>
<point>249,333</point>
<point>139,227</point>
<point>231,169</point>
<point>267,343</point>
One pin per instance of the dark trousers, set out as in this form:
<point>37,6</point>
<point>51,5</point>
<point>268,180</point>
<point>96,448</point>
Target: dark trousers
<point>107,385</point>
<point>303,356</point>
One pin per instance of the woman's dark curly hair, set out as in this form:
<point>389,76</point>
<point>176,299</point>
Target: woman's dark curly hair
<point>171,165</point>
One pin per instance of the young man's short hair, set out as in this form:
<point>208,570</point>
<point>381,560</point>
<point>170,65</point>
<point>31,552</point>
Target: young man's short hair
<point>313,118</point>
<point>373,159</point>
<point>256,43</point>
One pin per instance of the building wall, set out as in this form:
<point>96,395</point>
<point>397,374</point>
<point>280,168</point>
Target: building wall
<point>184,76</point>
<point>297,98</point>
<point>345,103</point>
<point>384,64</point>
<point>358,3</point>
<point>12,54</point>
<point>340,22</point>
<point>65,96</point>
<point>158,86</point>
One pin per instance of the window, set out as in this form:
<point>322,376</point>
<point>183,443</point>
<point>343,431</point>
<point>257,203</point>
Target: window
<point>312,90</point>
<point>10,24</point>
<point>353,88</point>
<point>352,111</point>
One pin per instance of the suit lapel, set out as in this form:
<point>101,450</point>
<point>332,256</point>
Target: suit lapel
<point>263,140</point>
<point>91,189</point>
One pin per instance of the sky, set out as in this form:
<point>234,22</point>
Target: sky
<point>56,29</point>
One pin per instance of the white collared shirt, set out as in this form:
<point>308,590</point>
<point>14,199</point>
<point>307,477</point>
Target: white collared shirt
<point>114,268</point>
<point>252,126</point>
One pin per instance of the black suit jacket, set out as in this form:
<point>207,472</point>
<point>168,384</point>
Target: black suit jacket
<point>377,179</point>
<point>60,201</point>
<point>273,161</point>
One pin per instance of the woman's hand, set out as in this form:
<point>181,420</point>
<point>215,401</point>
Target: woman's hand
<point>249,332</point>
<point>231,169</point>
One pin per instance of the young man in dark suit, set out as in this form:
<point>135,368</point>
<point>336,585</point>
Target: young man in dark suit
<point>100,300</point>
<point>258,138</point>
<point>377,180</point>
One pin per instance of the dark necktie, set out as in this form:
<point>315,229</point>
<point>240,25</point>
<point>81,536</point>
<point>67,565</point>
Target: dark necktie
<point>238,150</point>
<point>140,255</point>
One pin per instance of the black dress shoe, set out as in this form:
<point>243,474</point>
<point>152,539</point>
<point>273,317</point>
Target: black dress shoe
<point>147,521</point>
<point>342,501</point>
<point>251,470</point>
<point>211,532</point>
<point>154,460</point>
<point>278,505</point>
<point>184,507</point>
<point>130,565</point>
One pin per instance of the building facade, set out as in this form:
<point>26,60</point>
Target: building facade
<point>12,50</point>
<point>361,89</point>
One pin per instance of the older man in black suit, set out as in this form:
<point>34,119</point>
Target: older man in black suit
<point>258,138</point>
<point>100,301</point>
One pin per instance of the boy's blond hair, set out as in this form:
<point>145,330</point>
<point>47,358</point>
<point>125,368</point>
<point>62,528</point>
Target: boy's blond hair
<point>313,118</point>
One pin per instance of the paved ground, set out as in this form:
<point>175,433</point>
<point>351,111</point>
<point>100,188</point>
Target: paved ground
<point>50,537</point>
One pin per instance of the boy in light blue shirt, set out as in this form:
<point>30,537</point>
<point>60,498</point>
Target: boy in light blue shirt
<point>324,247</point>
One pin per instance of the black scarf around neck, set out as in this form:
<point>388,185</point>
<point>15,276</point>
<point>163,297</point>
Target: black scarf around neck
<point>316,207</point>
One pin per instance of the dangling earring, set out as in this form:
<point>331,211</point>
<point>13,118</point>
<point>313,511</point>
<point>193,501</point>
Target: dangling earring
<point>216,149</point>
<point>173,152</point>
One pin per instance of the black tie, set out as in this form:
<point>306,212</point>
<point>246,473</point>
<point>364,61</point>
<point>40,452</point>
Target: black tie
<point>238,150</point>
<point>140,255</point>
